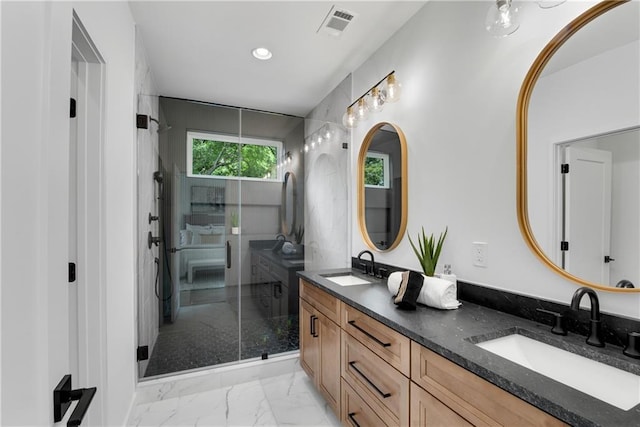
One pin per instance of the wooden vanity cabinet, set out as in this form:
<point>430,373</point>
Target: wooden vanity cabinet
<point>320,342</point>
<point>454,393</point>
<point>371,375</point>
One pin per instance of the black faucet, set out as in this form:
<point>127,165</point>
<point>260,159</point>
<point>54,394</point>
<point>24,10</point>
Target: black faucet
<point>594,337</point>
<point>364,266</point>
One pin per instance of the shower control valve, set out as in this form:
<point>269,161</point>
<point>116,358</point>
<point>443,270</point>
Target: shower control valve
<point>152,240</point>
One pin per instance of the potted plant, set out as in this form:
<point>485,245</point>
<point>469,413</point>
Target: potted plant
<point>235,229</point>
<point>428,251</point>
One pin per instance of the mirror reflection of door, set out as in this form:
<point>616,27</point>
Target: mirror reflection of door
<point>599,206</point>
<point>587,213</point>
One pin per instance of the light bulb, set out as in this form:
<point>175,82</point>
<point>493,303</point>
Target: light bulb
<point>327,132</point>
<point>349,120</point>
<point>502,19</point>
<point>548,4</point>
<point>377,99</point>
<point>362,111</point>
<point>393,89</point>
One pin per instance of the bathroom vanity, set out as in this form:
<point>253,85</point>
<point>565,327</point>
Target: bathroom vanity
<point>273,280</point>
<point>377,365</point>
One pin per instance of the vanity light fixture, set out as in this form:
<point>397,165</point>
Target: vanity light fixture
<point>326,133</point>
<point>373,99</point>
<point>502,18</point>
<point>286,159</point>
<point>261,53</point>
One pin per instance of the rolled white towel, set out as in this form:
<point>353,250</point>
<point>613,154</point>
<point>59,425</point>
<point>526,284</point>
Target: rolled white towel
<point>435,292</point>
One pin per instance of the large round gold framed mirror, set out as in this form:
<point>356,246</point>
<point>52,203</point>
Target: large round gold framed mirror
<point>578,140</point>
<point>382,187</point>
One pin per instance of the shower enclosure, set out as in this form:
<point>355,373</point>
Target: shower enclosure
<point>228,249</point>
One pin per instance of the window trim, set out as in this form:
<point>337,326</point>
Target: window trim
<point>211,136</point>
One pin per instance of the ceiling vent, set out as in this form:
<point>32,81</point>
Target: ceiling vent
<point>336,21</point>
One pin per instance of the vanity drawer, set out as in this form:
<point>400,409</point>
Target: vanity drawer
<point>391,346</point>
<point>375,380</point>
<point>355,412</point>
<point>476,400</point>
<point>321,300</point>
<point>427,411</point>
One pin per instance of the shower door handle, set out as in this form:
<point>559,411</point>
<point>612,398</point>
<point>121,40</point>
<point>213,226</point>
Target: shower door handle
<point>228,254</point>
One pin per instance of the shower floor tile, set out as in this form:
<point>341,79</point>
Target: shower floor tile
<point>208,334</point>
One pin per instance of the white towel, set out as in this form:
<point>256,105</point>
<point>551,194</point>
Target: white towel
<point>435,292</point>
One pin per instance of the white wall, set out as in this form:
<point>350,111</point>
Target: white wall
<point>460,89</point>
<point>36,52</point>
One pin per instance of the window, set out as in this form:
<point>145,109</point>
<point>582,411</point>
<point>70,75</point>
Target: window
<point>224,156</point>
<point>376,170</point>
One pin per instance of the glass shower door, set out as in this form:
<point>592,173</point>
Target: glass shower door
<point>229,285</point>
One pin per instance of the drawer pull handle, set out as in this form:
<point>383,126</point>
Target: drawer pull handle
<point>383,394</point>
<point>352,418</point>
<point>384,344</point>
<point>313,331</point>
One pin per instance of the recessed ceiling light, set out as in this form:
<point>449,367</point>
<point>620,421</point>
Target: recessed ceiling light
<point>261,53</point>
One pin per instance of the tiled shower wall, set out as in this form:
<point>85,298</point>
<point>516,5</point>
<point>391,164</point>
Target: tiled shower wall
<point>327,179</point>
<point>148,192</point>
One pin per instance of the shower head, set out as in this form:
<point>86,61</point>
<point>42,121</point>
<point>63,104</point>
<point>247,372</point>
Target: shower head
<point>157,176</point>
<point>142,122</point>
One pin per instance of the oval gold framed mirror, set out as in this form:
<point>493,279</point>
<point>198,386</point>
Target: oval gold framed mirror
<point>550,200</point>
<point>289,208</point>
<point>382,187</point>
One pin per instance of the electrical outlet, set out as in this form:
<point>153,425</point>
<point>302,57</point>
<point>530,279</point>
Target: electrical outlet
<point>480,254</point>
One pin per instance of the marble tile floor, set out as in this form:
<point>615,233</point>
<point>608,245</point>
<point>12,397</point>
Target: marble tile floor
<point>288,399</point>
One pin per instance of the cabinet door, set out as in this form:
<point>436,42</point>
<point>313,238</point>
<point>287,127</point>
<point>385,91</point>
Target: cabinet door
<point>427,411</point>
<point>329,378</point>
<point>309,343</point>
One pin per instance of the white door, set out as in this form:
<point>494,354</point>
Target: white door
<point>587,218</point>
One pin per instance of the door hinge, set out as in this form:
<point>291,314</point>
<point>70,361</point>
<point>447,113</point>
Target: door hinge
<point>564,168</point>
<point>72,272</point>
<point>142,353</point>
<point>564,246</point>
<point>608,259</point>
<point>72,108</point>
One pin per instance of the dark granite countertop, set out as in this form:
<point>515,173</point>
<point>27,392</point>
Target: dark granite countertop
<point>451,333</point>
<point>264,248</point>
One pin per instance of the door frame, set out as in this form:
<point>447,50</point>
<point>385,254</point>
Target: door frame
<point>91,234</point>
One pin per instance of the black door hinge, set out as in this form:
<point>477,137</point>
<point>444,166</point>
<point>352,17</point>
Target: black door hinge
<point>72,272</point>
<point>608,259</point>
<point>72,108</point>
<point>142,353</point>
<point>564,246</point>
<point>564,168</point>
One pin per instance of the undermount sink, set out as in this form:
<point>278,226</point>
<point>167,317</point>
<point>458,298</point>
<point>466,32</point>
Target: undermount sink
<point>607,383</point>
<point>347,279</point>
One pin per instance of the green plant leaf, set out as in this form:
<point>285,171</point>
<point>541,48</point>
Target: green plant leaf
<point>428,250</point>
